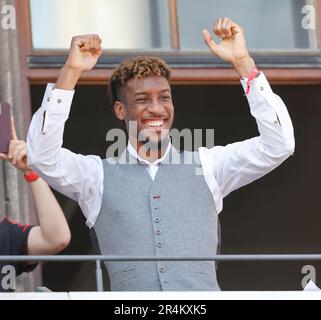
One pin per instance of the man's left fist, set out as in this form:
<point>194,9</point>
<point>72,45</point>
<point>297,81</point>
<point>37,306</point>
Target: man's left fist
<point>232,48</point>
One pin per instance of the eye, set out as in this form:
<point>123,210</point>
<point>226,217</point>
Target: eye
<point>142,99</point>
<point>166,98</point>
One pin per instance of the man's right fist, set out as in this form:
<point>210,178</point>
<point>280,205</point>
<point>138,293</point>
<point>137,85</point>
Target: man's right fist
<point>84,52</point>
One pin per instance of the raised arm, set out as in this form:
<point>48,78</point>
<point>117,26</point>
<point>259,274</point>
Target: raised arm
<point>240,163</point>
<point>76,176</point>
<point>53,234</point>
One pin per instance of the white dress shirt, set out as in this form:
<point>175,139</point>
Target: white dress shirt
<point>226,168</point>
<point>151,167</point>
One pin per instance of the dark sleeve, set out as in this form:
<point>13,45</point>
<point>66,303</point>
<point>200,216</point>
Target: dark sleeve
<point>19,245</point>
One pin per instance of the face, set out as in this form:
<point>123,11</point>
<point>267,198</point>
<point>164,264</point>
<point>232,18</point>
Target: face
<point>148,101</point>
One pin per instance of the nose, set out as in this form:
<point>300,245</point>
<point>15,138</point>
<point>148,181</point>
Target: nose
<point>156,107</point>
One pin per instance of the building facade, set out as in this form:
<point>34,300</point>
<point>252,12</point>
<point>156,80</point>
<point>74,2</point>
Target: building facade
<point>277,214</point>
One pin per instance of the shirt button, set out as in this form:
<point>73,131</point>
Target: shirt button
<point>162,269</point>
<point>48,99</point>
<point>159,244</point>
<point>262,88</point>
<point>158,232</point>
<point>59,101</point>
<point>157,220</point>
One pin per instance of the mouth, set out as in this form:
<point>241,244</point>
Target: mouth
<point>154,124</point>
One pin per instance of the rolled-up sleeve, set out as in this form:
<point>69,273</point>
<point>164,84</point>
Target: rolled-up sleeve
<point>74,175</point>
<point>237,164</point>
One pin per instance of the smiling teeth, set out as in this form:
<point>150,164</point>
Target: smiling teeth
<point>154,123</point>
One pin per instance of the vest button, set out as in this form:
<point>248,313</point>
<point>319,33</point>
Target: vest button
<point>162,269</point>
<point>159,244</point>
<point>157,220</point>
<point>158,232</point>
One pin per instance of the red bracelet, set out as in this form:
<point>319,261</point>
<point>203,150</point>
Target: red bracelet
<point>251,77</point>
<point>31,177</point>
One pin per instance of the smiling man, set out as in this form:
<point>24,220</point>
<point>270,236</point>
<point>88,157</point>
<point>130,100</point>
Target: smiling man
<point>150,206</point>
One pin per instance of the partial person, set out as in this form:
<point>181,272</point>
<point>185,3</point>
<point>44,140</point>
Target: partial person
<point>49,237</point>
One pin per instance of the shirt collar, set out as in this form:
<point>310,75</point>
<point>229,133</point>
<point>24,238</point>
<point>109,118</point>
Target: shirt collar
<point>132,151</point>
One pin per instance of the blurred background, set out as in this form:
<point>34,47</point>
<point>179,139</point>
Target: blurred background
<point>280,213</point>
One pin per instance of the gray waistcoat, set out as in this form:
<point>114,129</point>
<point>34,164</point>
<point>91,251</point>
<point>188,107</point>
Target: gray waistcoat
<point>174,215</point>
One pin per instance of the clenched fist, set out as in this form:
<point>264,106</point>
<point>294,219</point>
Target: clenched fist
<point>232,48</point>
<point>83,55</point>
<point>84,52</point>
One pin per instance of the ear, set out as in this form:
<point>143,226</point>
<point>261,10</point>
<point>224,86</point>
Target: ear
<point>120,110</point>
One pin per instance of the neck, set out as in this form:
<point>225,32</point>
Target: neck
<point>150,151</point>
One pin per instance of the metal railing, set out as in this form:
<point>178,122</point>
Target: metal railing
<point>99,258</point>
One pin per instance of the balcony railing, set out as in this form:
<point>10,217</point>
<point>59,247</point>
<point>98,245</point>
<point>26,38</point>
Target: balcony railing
<point>99,258</point>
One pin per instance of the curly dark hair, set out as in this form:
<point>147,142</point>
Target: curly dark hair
<point>136,67</point>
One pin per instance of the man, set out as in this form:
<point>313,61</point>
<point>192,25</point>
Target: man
<point>153,207</point>
<point>51,236</point>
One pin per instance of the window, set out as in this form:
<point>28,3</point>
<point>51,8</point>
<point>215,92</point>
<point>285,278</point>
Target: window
<point>270,25</point>
<point>146,24</point>
<point>122,24</point>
